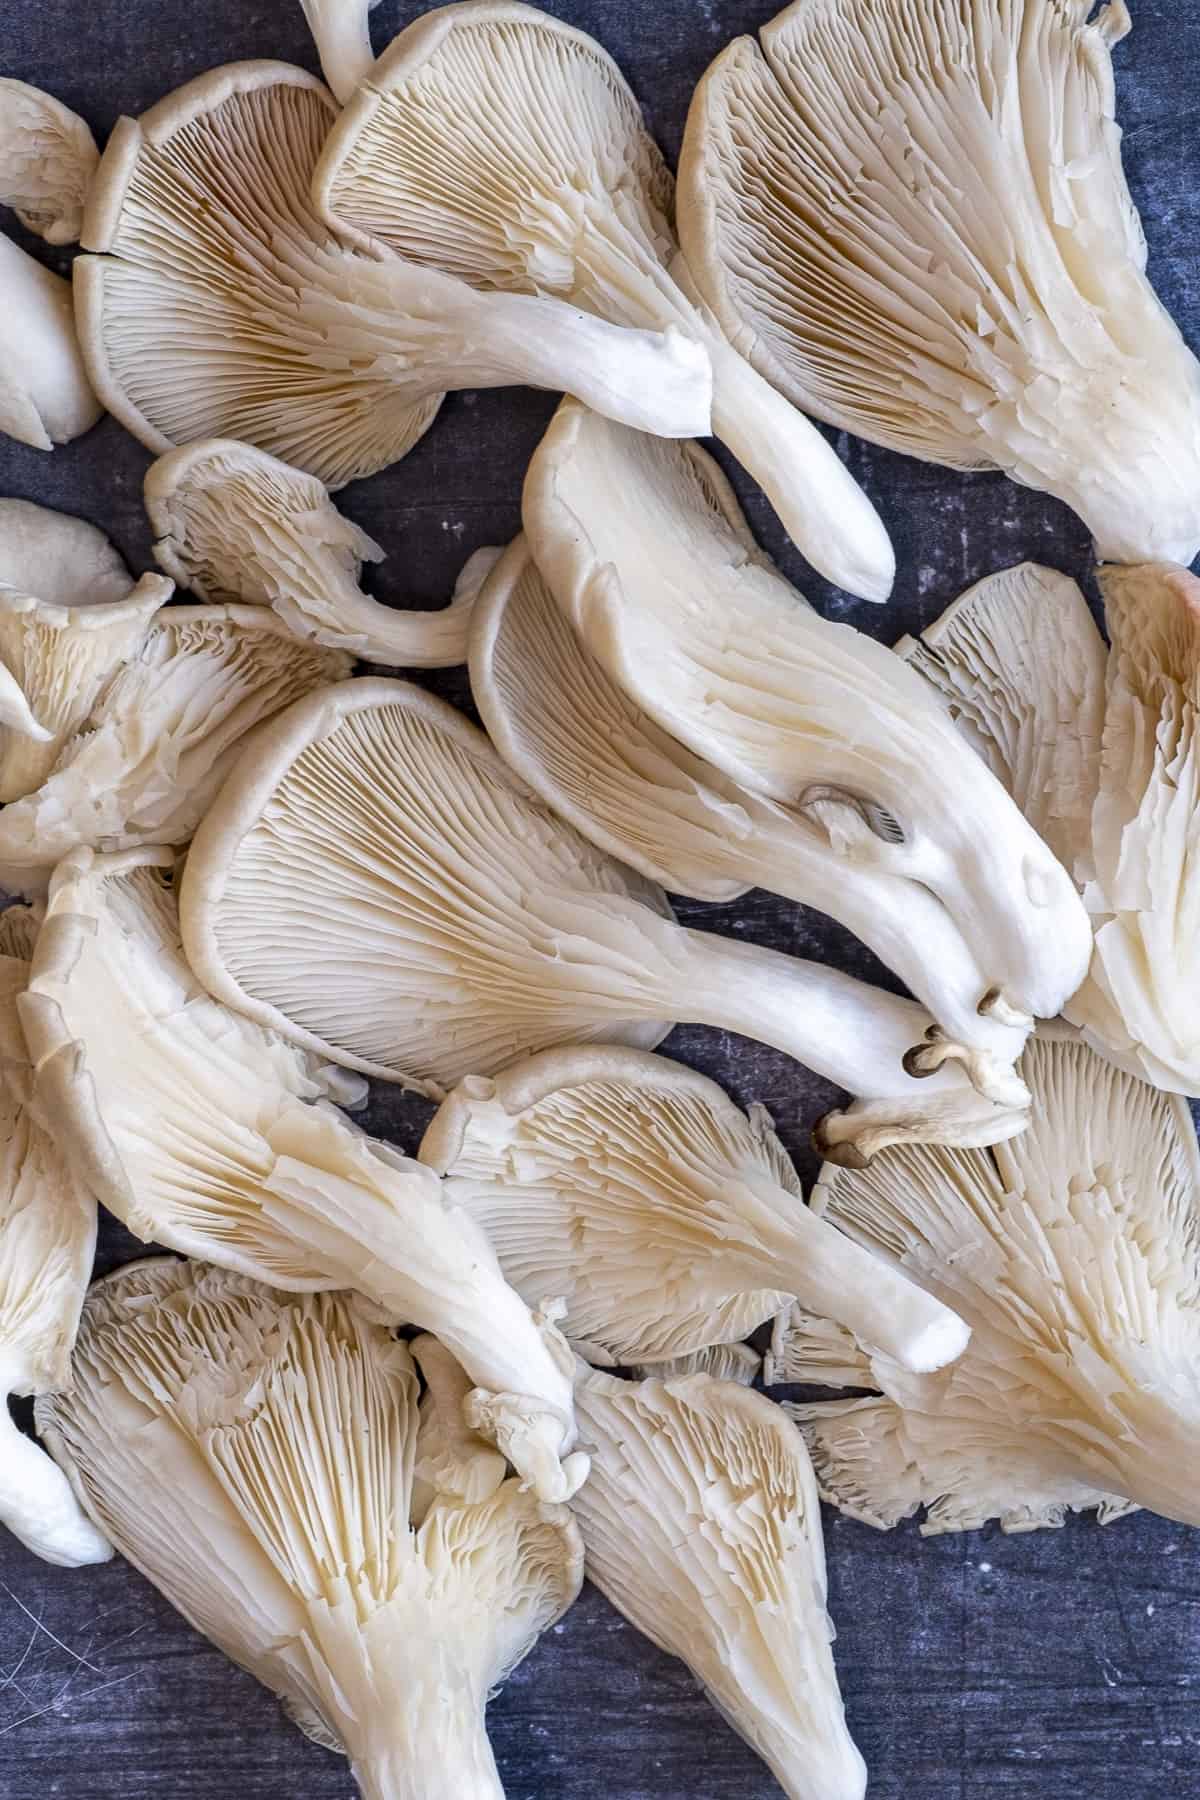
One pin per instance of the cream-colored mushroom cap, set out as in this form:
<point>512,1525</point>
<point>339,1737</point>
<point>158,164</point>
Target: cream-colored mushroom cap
<point>47,1238</point>
<point>233,523</point>
<point>701,1523</point>
<point>252,1454</point>
<point>912,219</point>
<point>167,727</point>
<point>47,158</point>
<point>46,397</point>
<point>665,1218</point>
<point>560,720</point>
<point>69,615</point>
<point>1073,1253</point>
<point>495,143</point>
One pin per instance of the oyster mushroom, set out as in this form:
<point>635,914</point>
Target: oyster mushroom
<point>1074,1255</point>
<point>701,1524</point>
<point>373,882</point>
<point>497,144</point>
<point>914,222</point>
<point>666,1219</point>
<point>46,397</point>
<point>215,1138</point>
<point>47,159</point>
<point>47,1236</point>
<point>144,765</point>
<point>69,616</point>
<point>642,546</point>
<point>558,718</point>
<point>224,308</point>
<point>236,524</point>
<point>252,1454</point>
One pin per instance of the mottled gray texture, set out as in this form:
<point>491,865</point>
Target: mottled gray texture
<point>1061,1666</point>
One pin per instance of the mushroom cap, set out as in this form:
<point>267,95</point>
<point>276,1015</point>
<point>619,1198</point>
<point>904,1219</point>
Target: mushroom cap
<point>45,396</point>
<point>1073,1252</point>
<point>236,524</point>
<point>559,719</point>
<point>1019,661</point>
<point>375,883</point>
<point>1141,1002</point>
<point>168,725</point>
<point>489,192</point>
<point>701,1523</point>
<point>47,158</point>
<point>209,315</point>
<point>604,1176</point>
<point>252,1453</point>
<point>69,617</point>
<point>925,237</point>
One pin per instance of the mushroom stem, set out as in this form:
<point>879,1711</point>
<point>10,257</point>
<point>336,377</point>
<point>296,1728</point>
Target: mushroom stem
<point>36,1500</point>
<point>437,1746</point>
<point>342,34</point>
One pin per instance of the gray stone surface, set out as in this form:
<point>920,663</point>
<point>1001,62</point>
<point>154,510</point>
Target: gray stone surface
<point>1061,1666</point>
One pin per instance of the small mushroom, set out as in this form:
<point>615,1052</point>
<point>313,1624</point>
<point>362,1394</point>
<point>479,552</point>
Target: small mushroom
<point>236,524</point>
<point>223,307</point>
<point>46,397</point>
<point>47,159</point>
<point>69,616</point>
<point>497,144</point>
<point>664,1218</point>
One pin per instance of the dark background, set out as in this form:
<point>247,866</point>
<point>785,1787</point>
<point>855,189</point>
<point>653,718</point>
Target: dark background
<point>1058,1666</point>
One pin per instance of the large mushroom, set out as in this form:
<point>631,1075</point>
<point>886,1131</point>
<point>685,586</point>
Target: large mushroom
<point>911,216</point>
<point>643,547</point>
<point>223,307</point>
<point>375,883</point>
<point>497,144</point>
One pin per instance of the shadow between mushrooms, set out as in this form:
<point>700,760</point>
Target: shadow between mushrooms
<point>375,883</point>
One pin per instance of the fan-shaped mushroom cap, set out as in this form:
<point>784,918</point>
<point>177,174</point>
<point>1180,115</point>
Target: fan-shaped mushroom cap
<point>665,1217</point>
<point>236,524</point>
<point>342,33</point>
<point>701,1523</point>
<point>224,308</point>
<point>252,1454</point>
<point>419,852</point>
<point>1141,1001</point>
<point>373,881</point>
<point>1020,663</point>
<point>45,394</point>
<point>923,235</point>
<point>724,1362</point>
<point>47,1236</point>
<point>145,765</point>
<point>1074,1255</point>
<point>560,720</point>
<point>69,616</point>
<point>495,143</point>
<point>47,158</point>
<point>198,1129</point>
<point>798,709</point>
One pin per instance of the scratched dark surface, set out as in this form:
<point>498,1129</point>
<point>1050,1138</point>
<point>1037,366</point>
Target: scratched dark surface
<point>1061,1666</point>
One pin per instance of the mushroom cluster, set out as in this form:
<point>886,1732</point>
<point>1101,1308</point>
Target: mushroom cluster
<point>371,1422</point>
